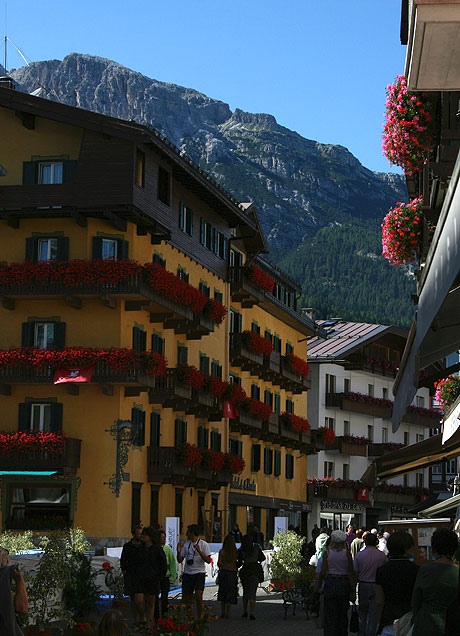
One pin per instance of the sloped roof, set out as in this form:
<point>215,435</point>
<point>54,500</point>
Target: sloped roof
<point>344,337</point>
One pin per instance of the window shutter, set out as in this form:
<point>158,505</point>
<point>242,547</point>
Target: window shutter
<point>181,216</point>
<point>277,470</point>
<point>289,466</point>
<point>240,448</point>
<point>268,461</point>
<point>180,432</point>
<point>136,341</point>
<point>158,260</point>
<point>254,391</point>
<point>218,296</point>
<point>225,254</point>
<point>157,344</point>
<point>28,329</point>
<point>189,222</point>
<point>68,171</point>
<point>56,417</point>
<point>31,249</point>
<point>29,172</point>
<point>138,426</point>
<point>289,348</point>
<point>143,340</point>
<point>97,247</point>
<point>268,398</point>
<point>141,437</point>
<point>204,364</point>
<point>24,417</point>
<point>255,458</point>
<point>62,253</point>
<point>155,429</point>
<point>182,355</point>
<point>123,250</point>
<point>59,335</point>
<point>202,231</point>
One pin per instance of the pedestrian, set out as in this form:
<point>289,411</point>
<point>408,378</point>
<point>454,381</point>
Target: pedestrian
<point>258,537</point>
<point>9,605</point>
<point>196,554</point>
<point>357,543</point>
<point>151,569</point>
<point>250,557</point>
<point>130,555</point>
<point>320,542</point>
<point>351,535</point>
<point>382,545</point>
<point>112,624</point>
<point>394,582</point>
<point>169,578</point>
<point>339,587</point>
<point>236,533</point>
<point>436,587</point>
<point>228,576</point>
<point>366,564</point>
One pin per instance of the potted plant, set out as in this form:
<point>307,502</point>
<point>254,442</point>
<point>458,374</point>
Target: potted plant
<point>286,560</point>
<point>81,593</point>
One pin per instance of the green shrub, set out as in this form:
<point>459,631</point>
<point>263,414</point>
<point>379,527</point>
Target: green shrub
<point>16,543</point>
<point>285,565</point>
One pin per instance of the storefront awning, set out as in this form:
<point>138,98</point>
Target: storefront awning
<point>435,332</point>
<point>414,457</point>
<point>443,506</point>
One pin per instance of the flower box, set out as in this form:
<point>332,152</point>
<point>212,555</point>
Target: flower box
<point>357,403</point>
<point>243,289</point>
<point>67,462</point>
<point>242,356</point>
<point>291,380</point>
<point>170,391</point>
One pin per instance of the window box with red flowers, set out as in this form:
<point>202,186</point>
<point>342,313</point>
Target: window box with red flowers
<point>385,367</point>
<point>409,134</point>
<point>39,451</point>
<point>191,456</point>
<point>402,232</point>
<point>360,403</point>
<point>257,344</point>
<point>259,278</point>
<point>257,409</point>
<point>246,351</point>
<point>296,423</point>
<point>294,373</point>
<point>421,416</point>
<point>353,445</point>
<point>234,463</point>
<point>322,437</point>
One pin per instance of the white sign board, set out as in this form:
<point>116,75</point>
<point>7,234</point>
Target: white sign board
<point>451,424</point>
<point>172,532</point>
<point>281,524</point>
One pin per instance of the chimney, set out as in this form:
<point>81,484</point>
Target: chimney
<point>7,82</point>
<point>310,312</point>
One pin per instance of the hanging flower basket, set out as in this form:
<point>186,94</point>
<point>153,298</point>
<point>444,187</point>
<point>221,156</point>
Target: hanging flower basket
<point>299,366</point>
<point>409,130</point>
<point>260,278</point>
<point>257,344</point>
<point>402,232</point>
<point>447,391</point>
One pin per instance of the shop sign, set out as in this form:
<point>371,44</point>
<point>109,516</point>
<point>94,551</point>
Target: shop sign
<point>363,494</point>
<point>244,484</point>
<point>342,505</point>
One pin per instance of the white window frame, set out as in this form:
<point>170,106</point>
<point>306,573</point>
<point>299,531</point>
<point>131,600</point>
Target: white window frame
<point>42,408</point>
<point>48,334</point>
<point>53,172</point>
<point>50,244</point>
<point>112,242</point>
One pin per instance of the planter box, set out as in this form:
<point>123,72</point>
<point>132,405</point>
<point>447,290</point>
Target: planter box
<point>341,401</point>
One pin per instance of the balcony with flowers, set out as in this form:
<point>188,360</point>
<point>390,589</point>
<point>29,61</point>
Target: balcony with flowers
<point>350,445</point>
<point>39,451</point>
<point>360,403</point>
<point>351,490</point>
<point>295,374</point>
<point>379,449</point>
<point>248,350</point>
<point>249,284</point>
<point>190,465</point>
<point>169,300</point>
<point>30,365</point>
<point>322,438</point>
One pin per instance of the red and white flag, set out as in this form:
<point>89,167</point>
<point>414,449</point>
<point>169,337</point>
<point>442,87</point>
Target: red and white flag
<point>230,410</point>
<point>363,494</point>
<point>73,374</point>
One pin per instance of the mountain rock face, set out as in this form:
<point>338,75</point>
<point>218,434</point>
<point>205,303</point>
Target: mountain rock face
<point>300,186</point>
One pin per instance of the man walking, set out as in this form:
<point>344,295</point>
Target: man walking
<point>366,563</point>
<point>196,554</point>
<point>129,562</point>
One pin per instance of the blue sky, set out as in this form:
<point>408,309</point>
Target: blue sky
<point>319,66</point>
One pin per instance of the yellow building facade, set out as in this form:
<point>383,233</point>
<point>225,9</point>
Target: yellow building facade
<point>81,189</point>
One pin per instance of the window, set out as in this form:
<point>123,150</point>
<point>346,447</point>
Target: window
<point>370,390</point>
<point>182,274</point>
<point>164,185</point>
<point>330,383</point>
<point>235,321</point>
<point>204,364</point>
<point>218,296</point>
<point>50,172</point>
<point>385,393</point>
<point>182,354</point>
<point>419,437</point>
<point>186,219</point>
<point>214,240</point>
<point>277,406</point>
<point>268,461</point>
<point>328,470</point>
<point>178,503</point>
<point>202,437</point>
<point>277,462</point>
<point>204,289</point>
<point>158,344</point>
<point>268,335</point>
<point>346,427</point>
<point>47,249</point>
<point>136,503</point>
<point>30,504</point>
<point>255,327</point>
<point>40,416</point>
<point>216,440</point>
<point>255,458</point>
<point>234,379</point>
<point>419,480</point>
<point>155,432</point>
<point>255,392</point>
<point>289,466</point>
<point>216,369</point>
<point>384,435</point>
<point>420,401</point>
<point>44,335</point>
<point>159,260</point>
<point>289,406</point>
<point>180,432</point>
<point>347,385</point>
<point>235,446</point>
<point>268,398</point>
<point>140,168</point>
<point>330,423</point>
<point>406,439</point>
<point>346,471</point>
<point>139,339</point>
<point>370,432</point>
<point>277,344</point>
<point>289,348</point>
<point>138,426</point>
<point>108,248</point>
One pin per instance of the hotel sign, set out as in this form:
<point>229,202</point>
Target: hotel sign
<point>342,505</point>
<point>244,484</point>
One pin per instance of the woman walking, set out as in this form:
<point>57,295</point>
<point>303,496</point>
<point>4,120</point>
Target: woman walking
<point>151,569</point>
<point>11,605</point>
<point>339,587</point>
<point>228,576</point>
<point>250,556</point>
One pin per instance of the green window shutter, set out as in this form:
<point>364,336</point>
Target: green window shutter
<point>28,330</point>
<point>202,231</point>
<point>155,432</point>
<point>240,448</point>
<point>158,260</point>
<point>138,426</point>
<point>268,397</point>
<point>277,407</point>
<point>31,249</point>
<point>268,461</point>
<point>123,250</point>
<point>255,458</point>
<point>182,354</point>
<point>157,344</point>
<point>181,217</point>
<point>29,172</point>
<point>24,417</point>
<point>218,296</point>
<point>277,470</point>
<point>59,335</point>
<point>289,466</point>
<point>68,171</point>
<point>189,222</point>
<point>62,253</point>
<point>289,348</point>
<point>289,406</point>
<point>180,432</point>
<point>97,247</point>
<point>56,417</point>
<point>204,364</point>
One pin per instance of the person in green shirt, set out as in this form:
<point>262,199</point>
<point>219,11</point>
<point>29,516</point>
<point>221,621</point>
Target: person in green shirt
<point>168,580</point>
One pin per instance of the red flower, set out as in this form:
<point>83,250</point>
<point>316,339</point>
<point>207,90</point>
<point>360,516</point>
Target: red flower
<point>298,424</point>
<point>260,278</point>
<point>299,366</point>
<point>257,409</point>
<point>107,566</point>
<point>213,460</point>
<point>257,343</point>
<point>235,463</point>
<point>190,455</point>
<point>190,375</point>
<point>326,434</point>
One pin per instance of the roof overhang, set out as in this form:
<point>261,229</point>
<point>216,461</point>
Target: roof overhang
<point>433,47</point>
<point>435,332</point>
<point>443,506</point>
<point>417,456</point>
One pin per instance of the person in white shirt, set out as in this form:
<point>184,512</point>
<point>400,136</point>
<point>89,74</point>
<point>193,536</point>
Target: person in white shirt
<point>196,554</point>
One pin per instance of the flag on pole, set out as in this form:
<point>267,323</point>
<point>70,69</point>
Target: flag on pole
<point>73,374</point>
<point>230,410</point>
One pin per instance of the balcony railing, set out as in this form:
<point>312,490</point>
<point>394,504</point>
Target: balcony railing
<point>243,290</point>
<point>170,392</point>
<point>247,423</point>
<point>165,466</point>
<point>351,494</point>
<point>377,450</point>
<point>242,356</point>
<point>67,463</point>
<point>426,418</point>
<point>346,403</point>
<point>345,447</point>
<point>292,381</point>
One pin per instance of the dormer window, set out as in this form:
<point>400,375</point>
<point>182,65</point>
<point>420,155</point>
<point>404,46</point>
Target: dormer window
<point>47,249</point>
<point>50,172</point>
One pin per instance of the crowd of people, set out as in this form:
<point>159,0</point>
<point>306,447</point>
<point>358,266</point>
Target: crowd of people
<point>377,572</point>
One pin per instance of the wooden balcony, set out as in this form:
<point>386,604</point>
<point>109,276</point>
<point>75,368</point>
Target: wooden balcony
<point>317,440</point>
<point>424,418</point>
<point>271,370</point>
<point>346,447</point>
<point>243,290</point>
<point>290,380</point>
<point>205,405</point>
<point>271,429</point>
<point>66,464</point>
<point>247,424</point>
<point>330,492</point>
<point>170,392</point>
<point>165,466</point>
<point>377,450</point>
<point>401,499</point>
<point>342,401</point>
<point>241,356</point>
<point>288,437</point>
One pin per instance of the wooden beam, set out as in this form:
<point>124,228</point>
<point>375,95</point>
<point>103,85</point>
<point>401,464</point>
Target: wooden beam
<point>74,302</point>
<point>117,222</point>
<point>8,303</point>
<point>132,391</point>
<point>79,219</point>
<point>135,305</point>
<point>159,317</point>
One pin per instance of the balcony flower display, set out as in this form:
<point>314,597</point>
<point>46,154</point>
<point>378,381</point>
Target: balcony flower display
<point>329,482</point>
<point>214,385</point>
<point>213,460</point>
<point>257,343</point>
<point>402,231</point>
<point>299,366</point>
<point>235,393</point>
<point>234,463</point>
<point>259,278</point>
<point>174,288</point>
<point>31,441</point>
<point>215,311</point>
<point>447,391</point>
<point>409,130</point>
<point>150,362</point>
<point>191,456</point>
<point>298,424</point>
<point>326,434</point>
<point>368,399</point>
<point>190,375</point>
<point>257,408</point>
<point>357,440</point>
<point>385,365</point>
<point>421,410</point>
